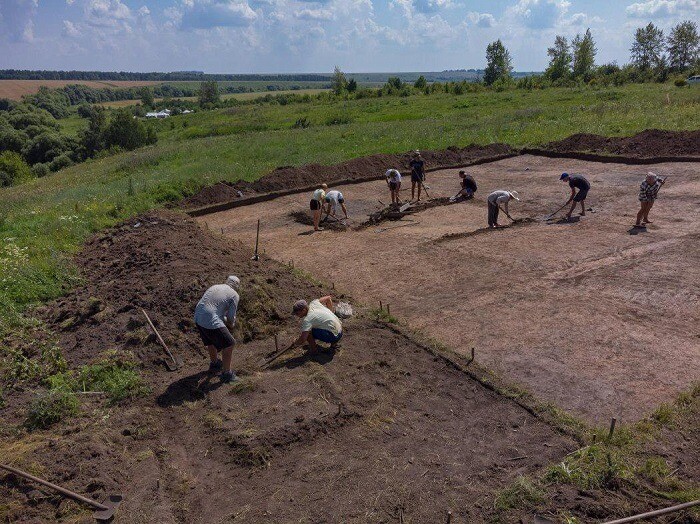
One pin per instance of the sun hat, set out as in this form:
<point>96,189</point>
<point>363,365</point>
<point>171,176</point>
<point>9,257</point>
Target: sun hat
<point>564,176</point>
<point>299,305</point>
<point>234,282</point>
<point>514,194</point>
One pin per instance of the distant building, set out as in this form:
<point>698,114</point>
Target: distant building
<point>160,114</point>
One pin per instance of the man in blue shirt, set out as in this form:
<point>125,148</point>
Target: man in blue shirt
<point>417,165</point>
<point>215,316</point>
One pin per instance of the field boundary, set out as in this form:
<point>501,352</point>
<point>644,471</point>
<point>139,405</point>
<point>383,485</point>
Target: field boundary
<point>590,157</point>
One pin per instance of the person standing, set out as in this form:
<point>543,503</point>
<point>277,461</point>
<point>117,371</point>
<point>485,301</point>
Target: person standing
<point>316,205</point>
<point>648,192</point>
<point>576,182</point>
<point>494,201</point>
<point>215,316</point>
<point>417,165</point>
<point>393,180</point>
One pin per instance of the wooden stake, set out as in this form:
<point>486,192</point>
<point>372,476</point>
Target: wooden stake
<point>449,516</point>
<point>381,308</point>
<point>612,427</point>
<point>257,238</point>
<point>472,353</point>
<point>388,311</point>
<point>277,347</point>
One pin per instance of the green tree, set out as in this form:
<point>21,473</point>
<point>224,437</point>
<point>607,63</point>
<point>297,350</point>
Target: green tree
<point>147,99</point>
<point>13,169</point>
<point>92,139</point>
<point>584,52</point>
<point>648,47</point>
<point>352,85</point>
<point>339,82</point>
<point>559,59</point>
<point>498,63</point>
<point>208,94</point>
<point>683,46</point>
<point>394,83</point>
<point>127,132</point>
<point>421,83</point>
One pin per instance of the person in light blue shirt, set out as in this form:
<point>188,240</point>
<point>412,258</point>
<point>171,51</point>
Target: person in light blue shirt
<point>215,316</point>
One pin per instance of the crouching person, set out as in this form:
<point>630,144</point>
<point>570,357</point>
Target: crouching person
<point>215,316</point>
<point>319,323</point>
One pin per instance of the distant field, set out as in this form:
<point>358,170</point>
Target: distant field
<point>16,89</point>
<point>239,96</point>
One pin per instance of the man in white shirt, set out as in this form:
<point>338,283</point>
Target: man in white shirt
<point>319,323</point>
<point>393,180</point>
<point>495,200</point>
<point>316,205</point>
<point>334,199</point>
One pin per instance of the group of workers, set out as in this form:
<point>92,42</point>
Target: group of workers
<point>326,201</point>
<point>215,317</point>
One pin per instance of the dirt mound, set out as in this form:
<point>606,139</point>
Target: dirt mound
<point>364,168</point>
<point>398,211</point>
<point>649,143</point>
<point>304,217</point>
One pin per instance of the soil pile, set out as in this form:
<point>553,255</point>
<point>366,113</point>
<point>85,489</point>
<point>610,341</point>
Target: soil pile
<point>304,217</point>
<point>394,211</point>
<point>364,168</point>
<point>649,143</point>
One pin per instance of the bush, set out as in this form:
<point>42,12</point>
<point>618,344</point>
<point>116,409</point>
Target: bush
<point>336,120</point>
<point>301,123</point>
<point>60,162</point>
<point>51,407</point>
<point>84,110</point>
<point>47,146</point>
<point>40,170</point>
<point>13,140</point>
<point>13,169</point>
<point>680,82</point>
<point>128,132</point>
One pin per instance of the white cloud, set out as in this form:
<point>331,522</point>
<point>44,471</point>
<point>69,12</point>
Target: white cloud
<point>539,14</point>
<point>663,8</point>
<point>431,6</point>
<point>314,14</point>
<point>207,14</point>
<point>144,11</point>
<point>70,29</point>
<point>482,19</point>
<point>17,19</point>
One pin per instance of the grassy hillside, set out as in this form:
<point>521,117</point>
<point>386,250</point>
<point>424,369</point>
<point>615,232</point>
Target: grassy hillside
<point>45,221</point>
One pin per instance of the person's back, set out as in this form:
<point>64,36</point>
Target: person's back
<point>469,183</point>
<point>579,182</point>
<point>319,195</point>
<point>393,175</point>
<point>335,196</point>
<point>499,197</point>
<point>219,301</point>
<point>320,317</point>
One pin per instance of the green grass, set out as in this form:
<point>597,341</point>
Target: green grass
<point>51,407</point>
<point>45,221</point>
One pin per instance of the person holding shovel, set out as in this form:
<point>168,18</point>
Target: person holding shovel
<point>393,180</point>
<point>648,192</point>
<point>494,201</point>
<point>417,165</point>
<point>580,183</point>
<point>215,316</point>
<point>316,205</point>
<point>319,323</point>
<point>334,199</point>
<point>468,187</point>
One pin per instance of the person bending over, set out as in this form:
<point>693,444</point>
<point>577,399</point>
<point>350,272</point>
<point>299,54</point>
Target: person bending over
<point>494,201</point>
<point>468,186</point>
<point>580,183</point>
<point>318,323</point>
<point>334,199</point>
<point>648,192</point>
<point>393,180</point>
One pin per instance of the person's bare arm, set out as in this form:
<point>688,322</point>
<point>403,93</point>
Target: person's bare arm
<point>327,301</point>
<point>573,192</point>
<point>301,340</point>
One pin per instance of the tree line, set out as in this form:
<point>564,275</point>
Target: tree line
<point>193,76</point>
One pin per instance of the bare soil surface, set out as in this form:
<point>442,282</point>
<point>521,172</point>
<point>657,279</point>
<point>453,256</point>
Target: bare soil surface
<point>593,315</point>
<point>16,89</point>
<point>379,431</point>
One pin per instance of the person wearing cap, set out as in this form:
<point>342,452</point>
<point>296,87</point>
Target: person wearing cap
<point>468,186</point>
<point>215,316</point>
<point>580,183</point>
<point>318,323</point>
<point>417,165</point>
<point>648,192</point>
<point>393,180</point>
<point>316,205</point>
<point>495,200</point>
<point>334,199</point>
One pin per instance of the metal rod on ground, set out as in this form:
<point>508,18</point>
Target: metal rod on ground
<point>104,512</point>
<point>655,513</point>
<point>612,427</point>
<point>257,238</point>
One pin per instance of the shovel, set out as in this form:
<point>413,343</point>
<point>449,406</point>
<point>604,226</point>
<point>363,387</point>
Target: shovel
<point>277,354</point>
<point>103,512</point>
<point>550,217</point>
<point>176,362</point>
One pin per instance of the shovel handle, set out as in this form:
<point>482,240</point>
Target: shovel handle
<point>64,491</point>
<point>155,331</point>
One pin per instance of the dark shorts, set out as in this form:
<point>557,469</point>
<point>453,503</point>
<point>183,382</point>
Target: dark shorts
<point>393,186</point>
<point>314,205</point>
<point>325,336</point>
<point>417,178</point>
<point>341,201</point>
<point>219,338</point>
<point>581,195</point>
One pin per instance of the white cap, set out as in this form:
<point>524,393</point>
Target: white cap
<point>234,282</point>
<point>514,194</point>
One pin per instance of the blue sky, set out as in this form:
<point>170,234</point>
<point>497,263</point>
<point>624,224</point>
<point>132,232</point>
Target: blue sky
<point>240,36</point>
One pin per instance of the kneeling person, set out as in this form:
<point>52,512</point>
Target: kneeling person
<point>334,199</point>
<point>319,323</point>
<point>215,316</point>
<point>468,186</point>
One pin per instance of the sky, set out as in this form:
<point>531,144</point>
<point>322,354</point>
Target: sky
<point>283,36</point>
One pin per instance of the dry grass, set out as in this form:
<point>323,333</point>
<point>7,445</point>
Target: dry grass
<point>16,89</point>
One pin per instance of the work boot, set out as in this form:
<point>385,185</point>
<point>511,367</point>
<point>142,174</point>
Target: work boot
<point>228,377</point>
<point>216,365</point>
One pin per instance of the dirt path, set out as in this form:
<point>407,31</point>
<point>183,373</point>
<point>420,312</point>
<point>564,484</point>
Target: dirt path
<point>584,314</point>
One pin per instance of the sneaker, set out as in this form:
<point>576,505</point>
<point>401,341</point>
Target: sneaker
<point>228,377</point>
<point>216,365</point>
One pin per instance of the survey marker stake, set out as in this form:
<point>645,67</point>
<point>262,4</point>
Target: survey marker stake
<point>256,257</point>
<point>103,512</point>
<point>612,427</point>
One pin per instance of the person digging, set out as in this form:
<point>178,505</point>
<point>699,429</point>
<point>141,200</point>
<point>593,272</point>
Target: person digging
<point>334,199</point>
<point>316,205</point>
<point>215,316</point>
<point>580,183</point>
<point>417,165</point>
<point>468,187</point>
<point>648,192</point>
<point>318,323</point>
<point>393,180</point>
<point>494,201</point>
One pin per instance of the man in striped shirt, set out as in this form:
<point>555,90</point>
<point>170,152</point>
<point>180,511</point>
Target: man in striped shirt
<point>648,192</point>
